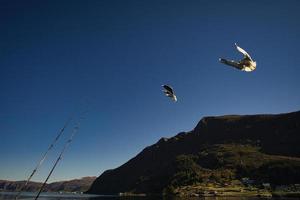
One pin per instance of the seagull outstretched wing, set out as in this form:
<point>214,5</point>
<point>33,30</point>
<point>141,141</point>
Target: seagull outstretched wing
<point>168,88</point>
<point>246,55</point>
<point>232,63</point>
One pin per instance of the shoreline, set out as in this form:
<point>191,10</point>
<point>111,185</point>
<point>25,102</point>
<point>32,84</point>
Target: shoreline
<point>205,193</point>
<point>219,192</point>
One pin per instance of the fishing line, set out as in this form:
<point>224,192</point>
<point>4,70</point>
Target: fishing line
<point>43,157</point>
<point>68,142</point>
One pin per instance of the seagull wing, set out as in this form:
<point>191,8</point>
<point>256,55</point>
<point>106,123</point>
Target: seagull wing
<point>231,63</point>
<point>246,55</point>
<point>168,88</point>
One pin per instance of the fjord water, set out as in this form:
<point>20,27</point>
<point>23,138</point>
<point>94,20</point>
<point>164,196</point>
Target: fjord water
<point>58,196</point>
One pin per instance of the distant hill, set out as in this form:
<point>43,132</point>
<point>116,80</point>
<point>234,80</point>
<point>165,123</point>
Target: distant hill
<point>75,185</point>
<point>219,150</point>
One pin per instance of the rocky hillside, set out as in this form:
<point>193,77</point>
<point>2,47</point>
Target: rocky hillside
<point>75,185</point>
<point>219,150</point>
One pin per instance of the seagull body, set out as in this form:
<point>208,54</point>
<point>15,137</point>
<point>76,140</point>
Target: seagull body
<point>169,92</point>
<point>246,64</point>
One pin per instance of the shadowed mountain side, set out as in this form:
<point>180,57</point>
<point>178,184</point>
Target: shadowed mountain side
<point>254,136</point>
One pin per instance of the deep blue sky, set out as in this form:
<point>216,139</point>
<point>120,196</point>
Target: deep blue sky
<point>58,58</point>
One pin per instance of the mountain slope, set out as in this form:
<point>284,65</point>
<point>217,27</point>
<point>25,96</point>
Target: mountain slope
<point>75,185</point>
<point>219,150</point>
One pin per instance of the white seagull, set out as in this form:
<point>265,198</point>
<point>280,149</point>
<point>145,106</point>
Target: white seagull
<point>169,92</point>
<point>246,64</point>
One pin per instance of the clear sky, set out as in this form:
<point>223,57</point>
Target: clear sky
<point>58,58</point>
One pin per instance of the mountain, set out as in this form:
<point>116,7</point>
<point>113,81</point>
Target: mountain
<point>6,185</point>
<point>75,185</point>
<point>222,150</point>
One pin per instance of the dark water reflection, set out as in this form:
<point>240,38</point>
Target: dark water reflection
<point>56,196</point>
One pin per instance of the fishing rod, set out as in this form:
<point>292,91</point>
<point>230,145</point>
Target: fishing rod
<point>43,157</point>
<point>75,130</point>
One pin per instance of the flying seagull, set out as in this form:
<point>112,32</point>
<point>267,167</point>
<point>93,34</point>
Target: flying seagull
<point>168,90</point>
<point>246,64</point>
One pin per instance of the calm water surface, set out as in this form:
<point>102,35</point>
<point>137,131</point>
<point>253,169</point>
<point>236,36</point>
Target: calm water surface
<point>57,196</point>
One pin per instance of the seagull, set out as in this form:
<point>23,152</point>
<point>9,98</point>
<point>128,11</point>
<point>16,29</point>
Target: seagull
<point>168,90</point>
<point>246,64</point>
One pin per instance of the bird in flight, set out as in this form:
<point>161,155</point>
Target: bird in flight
<point>246,64</point>
<point>169,92</point>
